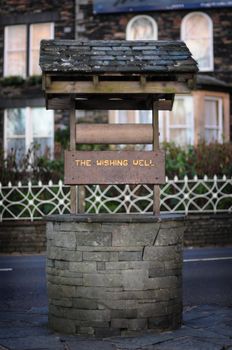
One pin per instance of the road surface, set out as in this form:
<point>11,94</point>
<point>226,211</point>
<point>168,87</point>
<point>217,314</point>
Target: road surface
<point>207,279</point>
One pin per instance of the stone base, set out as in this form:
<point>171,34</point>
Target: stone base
<point>114,274</point>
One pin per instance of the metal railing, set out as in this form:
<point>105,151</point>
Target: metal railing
<point>33,201</point>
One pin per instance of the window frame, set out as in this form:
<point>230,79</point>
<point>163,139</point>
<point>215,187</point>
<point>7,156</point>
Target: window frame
<point>30,32</point>
<point>29,140</point>
<point>220,126</point>
<point>210,26</point>
<point>130,23</point>
<point>6,50</point>
<point>166,126</point>
<point>28,45</point>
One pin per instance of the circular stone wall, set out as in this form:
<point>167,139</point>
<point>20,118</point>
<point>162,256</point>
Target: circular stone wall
<point>114,274</point>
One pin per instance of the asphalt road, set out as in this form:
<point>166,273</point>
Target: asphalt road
<point>207,279</point>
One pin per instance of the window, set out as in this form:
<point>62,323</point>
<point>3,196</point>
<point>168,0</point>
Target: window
<point>213,119</point>
<point>21,47</point>
<point>15,50</point>
<point>122,117</point>
<point>27,126</point>
<point>197,33</point>
<point>178,125</point>
<point>37,33</point>
<point>142,28</point>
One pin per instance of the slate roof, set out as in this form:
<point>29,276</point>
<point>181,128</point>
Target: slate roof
<point>101,56</point>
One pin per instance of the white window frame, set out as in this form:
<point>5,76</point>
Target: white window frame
<point>130,24</point>
<point>6,50</point>
<point>210,26</point>
<point>52,32</point>
<point>28,130</point>
<point>218,127</point>
<point>180,126</point>
<point>28,57</point>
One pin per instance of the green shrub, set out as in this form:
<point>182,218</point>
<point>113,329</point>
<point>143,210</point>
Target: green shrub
<point>205,159</point>
<point>210,160</point>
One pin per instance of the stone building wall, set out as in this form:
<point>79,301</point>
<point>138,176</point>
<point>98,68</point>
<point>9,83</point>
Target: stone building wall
<point>20,12</point>
<point>22,237</point>
<point>113,26</point>
<point>62,14</point>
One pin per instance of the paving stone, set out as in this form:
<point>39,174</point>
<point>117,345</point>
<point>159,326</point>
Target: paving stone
<point>33,343</point>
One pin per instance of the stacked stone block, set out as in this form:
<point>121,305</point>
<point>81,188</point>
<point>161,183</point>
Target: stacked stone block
<point>117,278</point>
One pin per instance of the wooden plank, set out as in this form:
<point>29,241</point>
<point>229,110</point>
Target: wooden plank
<point>114,133</point>
<point>112,87</point>
<point>72,123</point>
<point>104,103</point>
<point>114,167</point>
<point>155,122</point>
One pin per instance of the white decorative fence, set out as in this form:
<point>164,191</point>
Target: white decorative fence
<point>33,201</point>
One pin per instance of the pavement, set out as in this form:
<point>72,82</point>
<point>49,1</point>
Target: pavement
<point>204,328</point>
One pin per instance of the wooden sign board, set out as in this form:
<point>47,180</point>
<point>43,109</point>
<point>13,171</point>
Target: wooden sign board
<point>114,167</point>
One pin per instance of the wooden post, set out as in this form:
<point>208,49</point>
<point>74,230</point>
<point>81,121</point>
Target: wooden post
<point>155,122</point>
<point>72,125</point>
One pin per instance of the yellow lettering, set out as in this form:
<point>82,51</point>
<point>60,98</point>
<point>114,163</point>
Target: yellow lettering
<point>143,162</point>
<point>98,162</point>
<point>125,162</point>
<point>112,162</point>
<point>83,162</point>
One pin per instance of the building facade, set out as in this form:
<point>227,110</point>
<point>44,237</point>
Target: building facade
<point>23,118</point>
<point>205,114</point>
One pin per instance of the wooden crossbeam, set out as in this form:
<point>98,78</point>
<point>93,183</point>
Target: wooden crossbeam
<point>112,87</point>
<point>114,134</point>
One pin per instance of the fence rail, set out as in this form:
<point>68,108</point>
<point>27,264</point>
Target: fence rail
<point>33,201</point>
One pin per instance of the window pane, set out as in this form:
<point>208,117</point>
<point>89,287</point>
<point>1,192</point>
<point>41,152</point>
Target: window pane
<point>122,117</point>
<point>197,27</point>
<point>145,117</point>
<point>181,129</point>
<point>42,130</point>
<point>180,136</point>
<point>142,28</point>
<point>15,46</point>
<point>16,38</point>
<point>42,122</point>
<point>211,113</point>
<point>179,113</point>
<point>182,112</point>
<point>197,34</point>
<point>45,146</point>
<point>211,135</point>
<point>16,146</point>
<point>37,33</point>
<point>16,63</point>
<point>16,122</point>
<point>200,50</point>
